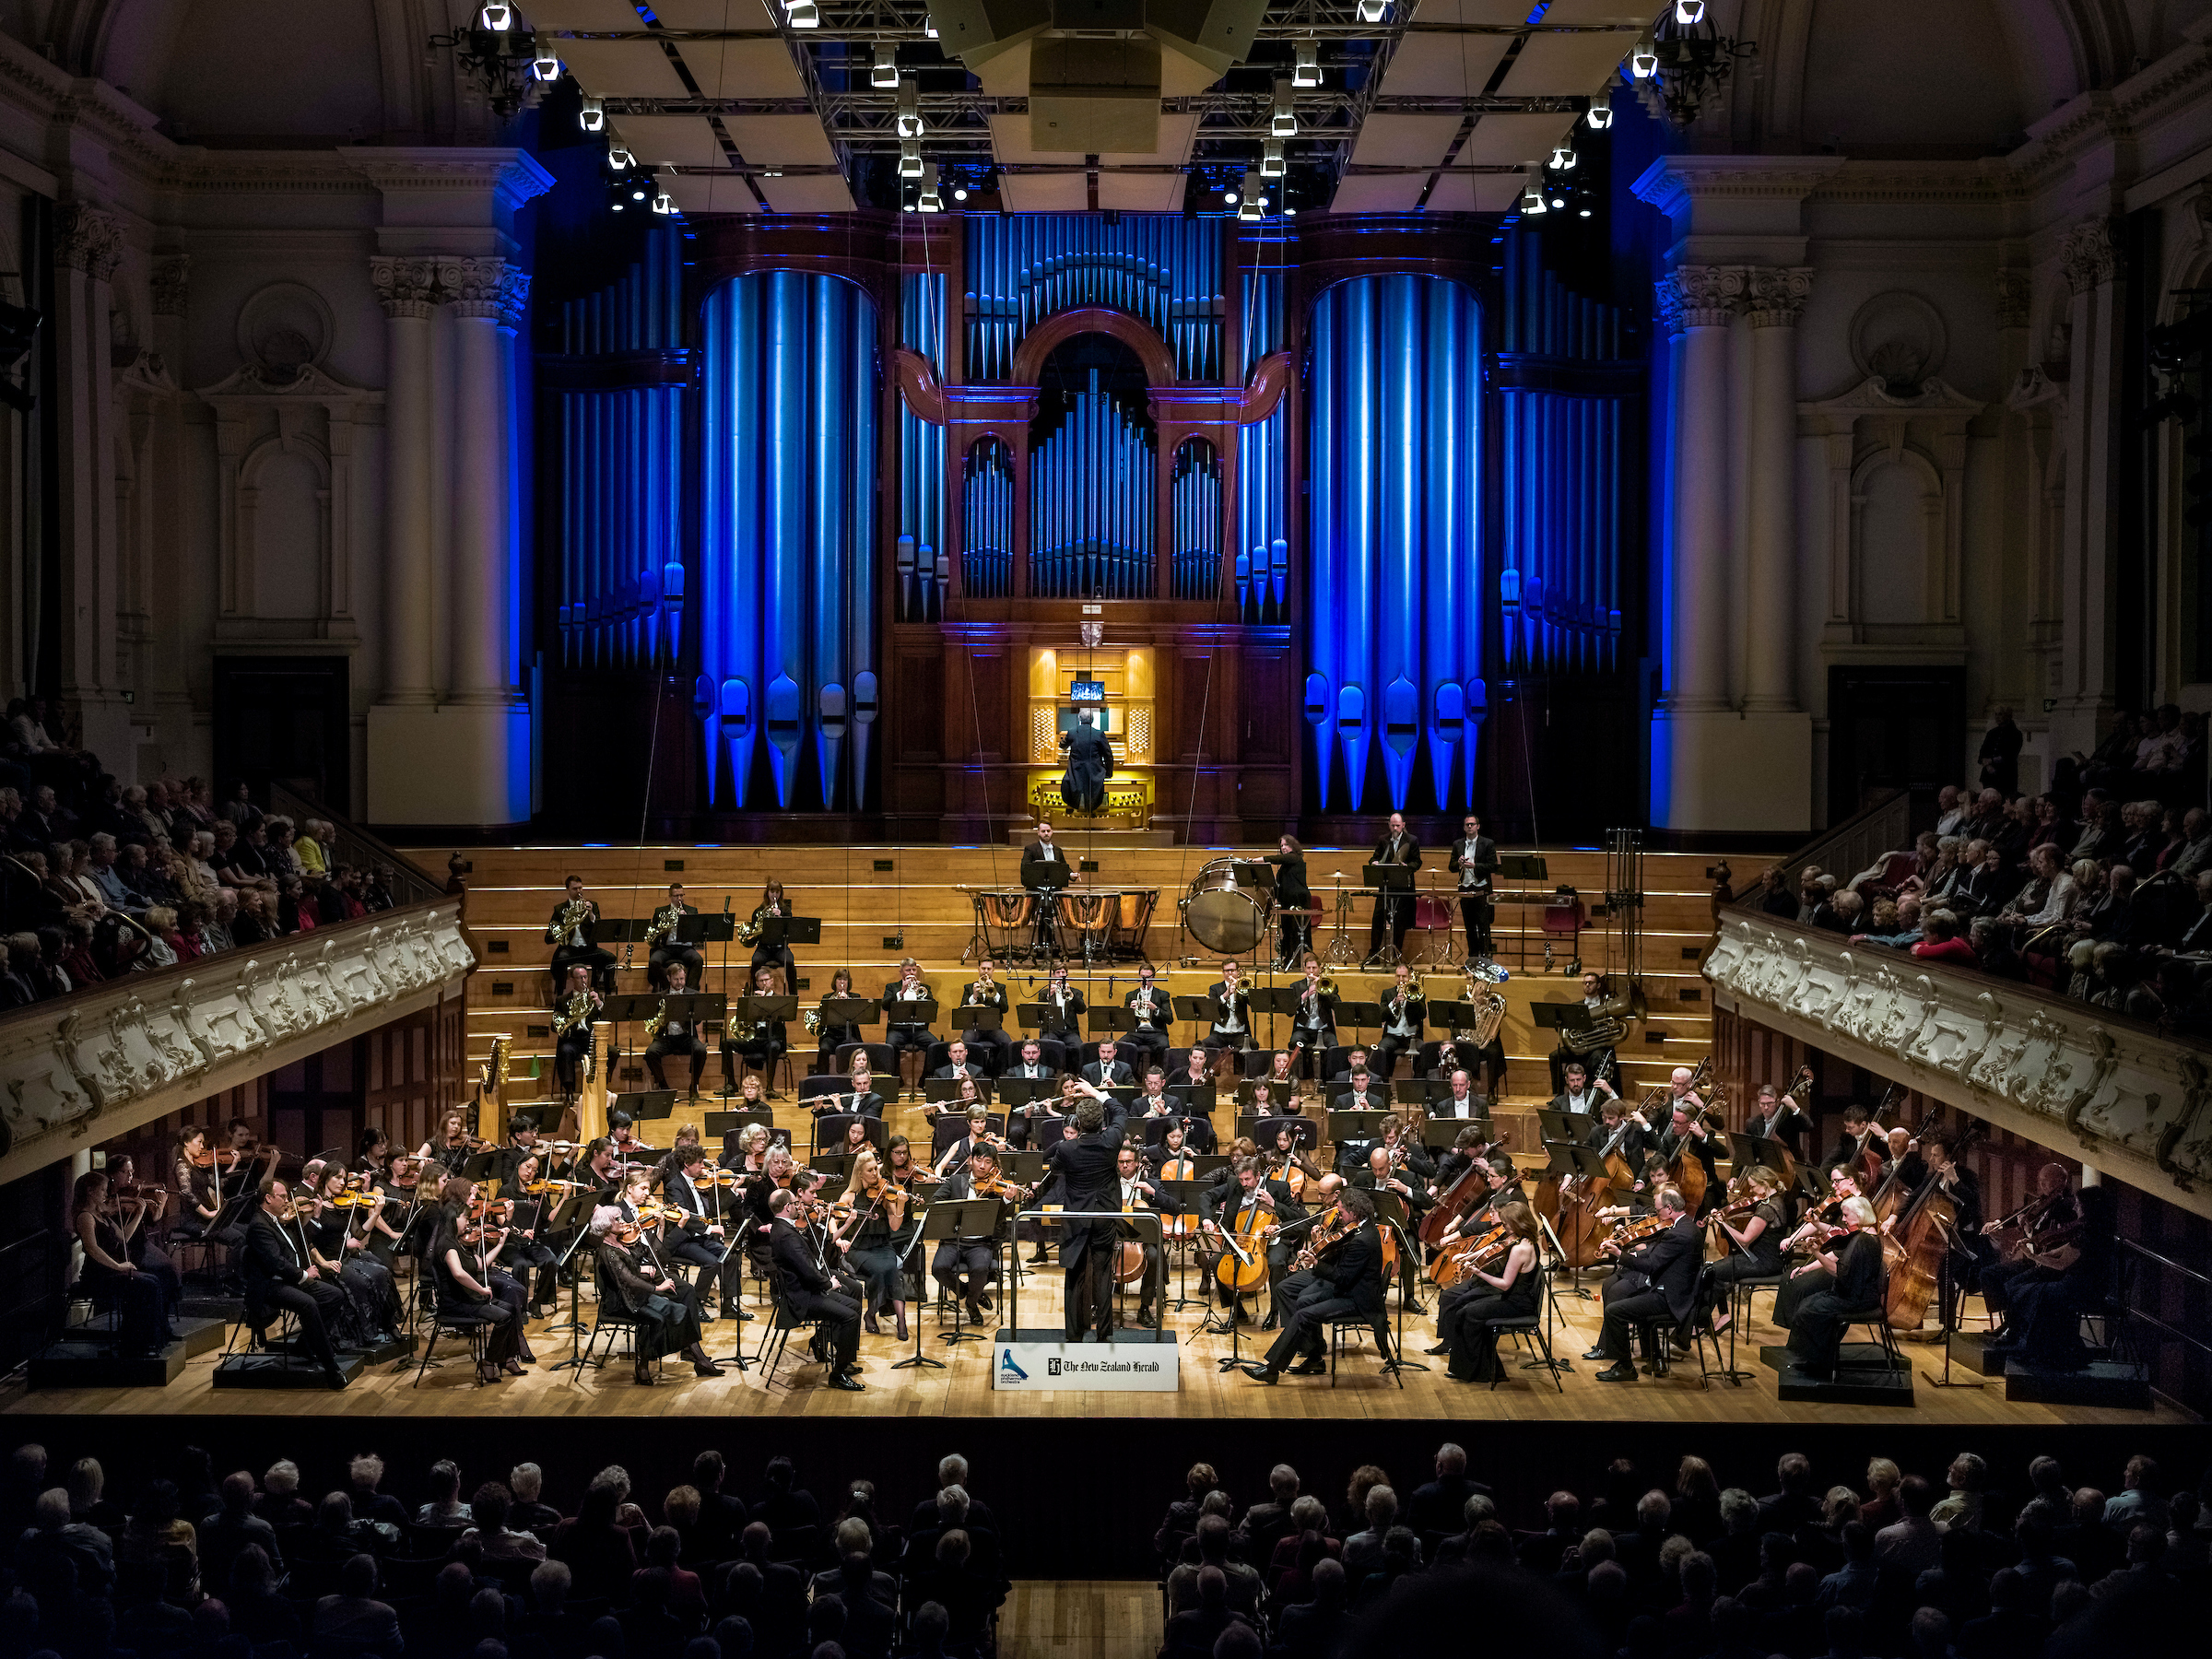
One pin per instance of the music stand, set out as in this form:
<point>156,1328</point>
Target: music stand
<point>1750,1151</point>
<point>852,1010</point>
<point>922,1013</point>
<point>1561,1126</point>
<point>1394,885</point>
<point>830,1129</point>
<point>1277,999</point>
<point>573,1213</point>
<point>1361,1014</point>
<point>1186,1194</point>
<point>643,1105</point>
<point>1034,1016</point>
<point>1358,1125</point>
<point>782,932</point>
<point>1198,1098</point>
<point>1565,1017</point>
<point>1204,1009</point>
<point>1304,1132</point>
<point>1391,1212</point>
<point>727,1124</point>
<point>950,1219</point>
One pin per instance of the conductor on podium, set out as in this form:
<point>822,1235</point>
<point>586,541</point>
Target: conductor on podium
<point>1089,764</point>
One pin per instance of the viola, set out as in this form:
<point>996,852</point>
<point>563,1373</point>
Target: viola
<point>1638,1229</point>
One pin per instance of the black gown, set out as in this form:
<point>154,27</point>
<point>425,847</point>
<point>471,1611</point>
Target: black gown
<point>1817,1335</point>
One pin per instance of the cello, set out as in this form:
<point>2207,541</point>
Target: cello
<point>1580,1233</point>
<point>1914,1250</point>
<point>1469,1191</point>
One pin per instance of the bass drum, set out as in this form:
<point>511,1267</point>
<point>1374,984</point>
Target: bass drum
<point>1226,918</point>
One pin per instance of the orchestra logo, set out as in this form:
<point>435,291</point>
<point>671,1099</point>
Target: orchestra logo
<point>1052,1366</point>
<point>1010,1373</point>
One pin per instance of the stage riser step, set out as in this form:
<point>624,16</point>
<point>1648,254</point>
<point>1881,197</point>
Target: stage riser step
<point>2101,1383</point>
<point>79,1363</point>
<point>269,1372</point>
<point>1863,1378</point>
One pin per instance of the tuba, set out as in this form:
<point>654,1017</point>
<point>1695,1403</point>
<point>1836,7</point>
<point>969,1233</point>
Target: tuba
<point>1609,1025</point>
<point>1482,995</point>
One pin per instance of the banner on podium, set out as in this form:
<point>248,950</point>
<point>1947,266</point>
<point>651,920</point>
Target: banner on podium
<point>1024,1362</point>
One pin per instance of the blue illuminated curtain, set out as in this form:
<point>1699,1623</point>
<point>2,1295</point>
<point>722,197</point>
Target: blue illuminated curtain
<point>1395,643</point>
<point>788,633</point>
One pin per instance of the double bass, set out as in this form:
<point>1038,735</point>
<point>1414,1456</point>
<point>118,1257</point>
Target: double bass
<point>1469,1191</point>
<point>1913,1250</point>
<point>1579,1230</point>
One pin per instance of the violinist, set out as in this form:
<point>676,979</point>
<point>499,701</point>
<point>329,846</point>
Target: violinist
<point>144,1312</point>
<point>1347,1281</point>
<point>814,1292</point>
<point>1751,1221</point>
<point>529,1245</point>
<point>679,1035</point>
<point>832,1035</point>
<point>475,1230</point>
<point>2075,1278</point>
<point>1138,1192</point>
<point>1657,1279</point>
<point>704,1242</point>
<point>136,1209</point>
<point>249,1158</point>
<point>622,1134</point>
<point>374,1153</point>
<point>337,1247</point>
<point>757,1044</point>
<point>744,1154</point>
<point>1510,1289</point>
<point>602,1170</point>
<point>1244,1201</point>
<point>901,1169</point>
<point>576,1005</point>
<point>855,1140</point>
<point>280,1279</point>
<point>873,1221</point>
<point>777,1168</point>
<point>1854,1266</point>
<point>201,1175</point>
<point>976,1135</point>
<point>635,1281</point>
<point>2050,1215</point>
<point>965,1267</point>
<point>1818,1228</point>
<point>522,1143</point>
<point>453,1145</point>
<point>1149,1007</point>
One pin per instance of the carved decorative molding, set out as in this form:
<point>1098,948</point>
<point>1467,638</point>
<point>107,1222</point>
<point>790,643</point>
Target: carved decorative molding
<point>2090,258</point>
<point>2062,1074</point>
<point>474,288</point>
<point>1777,294</point>
<point>405,287</point>
<point>1699,297</point>
<point>121,1054</point>
<point>2016,290</point>
<point>172,284</point>
<point>88,238</point>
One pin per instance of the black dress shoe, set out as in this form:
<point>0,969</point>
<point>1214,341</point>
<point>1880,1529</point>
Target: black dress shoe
<point>844,1383</point>
<point>1442,1347</point>
<point>1270,1322</point>
<point>1311,1367</point>
<point>705,1367</point>
<point>1620,1371</point>
<point>1264,1373</point>
<point>1598,1354</point>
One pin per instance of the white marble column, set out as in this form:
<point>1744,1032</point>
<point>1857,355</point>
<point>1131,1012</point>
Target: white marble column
<point>1777,298</point>
<point>1699,303</point>
<point>407,290</point>
<point>483,294</point>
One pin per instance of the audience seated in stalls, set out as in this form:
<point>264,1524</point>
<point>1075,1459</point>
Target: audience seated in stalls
<point>1983,1561</point>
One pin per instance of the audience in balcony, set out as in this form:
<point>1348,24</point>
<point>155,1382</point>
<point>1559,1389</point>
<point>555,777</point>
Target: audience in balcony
<point>98,879</point>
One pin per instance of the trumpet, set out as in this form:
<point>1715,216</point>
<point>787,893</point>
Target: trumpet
<point>979,994</point>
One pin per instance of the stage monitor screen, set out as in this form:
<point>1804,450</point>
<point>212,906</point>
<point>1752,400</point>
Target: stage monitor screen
<point>1087,691</point>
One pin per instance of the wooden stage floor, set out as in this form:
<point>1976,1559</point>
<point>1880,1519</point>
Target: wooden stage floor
<point>963,1389</point>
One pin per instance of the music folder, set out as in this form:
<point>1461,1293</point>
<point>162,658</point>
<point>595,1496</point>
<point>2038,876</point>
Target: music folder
<point>749,1010</point>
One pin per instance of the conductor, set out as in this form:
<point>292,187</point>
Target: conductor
<point>1086,1167</point>
<point>1089,764</point>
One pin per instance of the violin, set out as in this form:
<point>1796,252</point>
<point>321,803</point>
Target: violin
<point>359,1198</point>
<point>1635,1231</point>
<point>625,1233</point>
<point>212,1158</point>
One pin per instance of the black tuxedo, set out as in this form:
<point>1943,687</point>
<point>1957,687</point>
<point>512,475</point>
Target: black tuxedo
<point>1657,1280</point>
<point>1472,861</point>
<point>1314,1024</point>
<point>999,1043</point>
<point>1152,1028</point>
<point>272,1262</point>
<point>674,949</point>
<point>1672,1147</point>
<point>911,1035</point>
<point>1042,865</point>
<point>1064,1020</point>
<point>1788,1127</point>
<point>1089,764</point>
<point>694,1248</point>
<point>1347,1283</point>
<point>580,944</point>
<point>1237,1010</point>
<point>1394,914</point>
<point>1116,1075</point>
<point>1222,1203</point>
<point>1471,1108</point>
<point>1085,1169</point>
<point>813,1294</point>
<point>1392,1043</point>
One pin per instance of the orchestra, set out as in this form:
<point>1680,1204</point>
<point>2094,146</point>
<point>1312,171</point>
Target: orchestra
<point>1317,1223</point>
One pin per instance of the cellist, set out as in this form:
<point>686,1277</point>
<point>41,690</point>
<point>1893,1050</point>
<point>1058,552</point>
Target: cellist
<point>1244,1202</point>
<point>1686,1137</point>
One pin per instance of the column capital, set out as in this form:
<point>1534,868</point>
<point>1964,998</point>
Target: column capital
<point>1699,297</point>
<point>172,284</point>
<point>405,287</point>
<point>2090,257</point>
<point>1777,294</point>
<point>88,238</point>
<point>472,287</point>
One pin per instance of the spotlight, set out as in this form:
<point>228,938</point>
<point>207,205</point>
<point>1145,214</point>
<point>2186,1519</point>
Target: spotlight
<point>546,66</point>
<point>1690,13</point>
<point>1285,124</point>
<point>1532,202</point>
<point>1308,73</point>
<point>929,201</point>
<point>1371,11</point>
<point>1559,201</point>
<point>621,158</point>
<point>910,107</point>
<point>929,25</point>
<point>1229,197</point>
<point>1643,62</point>
<point>1562,158</point>
<point>909,157</point>
<point>591,115</point>
<point>886,72</point>
<point>1601,112</point>
<point>804,14</point>
<point>664,203</point>
<point>498,16</point>
<point>960,193</point>
<point>1585,214</point>
<point>1271,160</point>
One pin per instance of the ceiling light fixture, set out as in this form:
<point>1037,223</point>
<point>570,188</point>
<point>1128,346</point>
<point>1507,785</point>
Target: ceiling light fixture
<point>1373,11</point>
<point>1601,112</point>
<point>909,158</point>
<point>1285,124</point>
<point>1690,13</point>
<point>886,72</point>
<point>496,17</point>
<point>1308,72</point>
<point>929,201</point>
<point>546,66</point>
<point>804,14</point>
<point>591,115</point>
<point>929,25</point>
<point>910,107</point>
<point>1562,157</point>
<point>1271,160</point>
<point>621,158</point>
<point>1644,60</point>
<point>1690,61</point>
